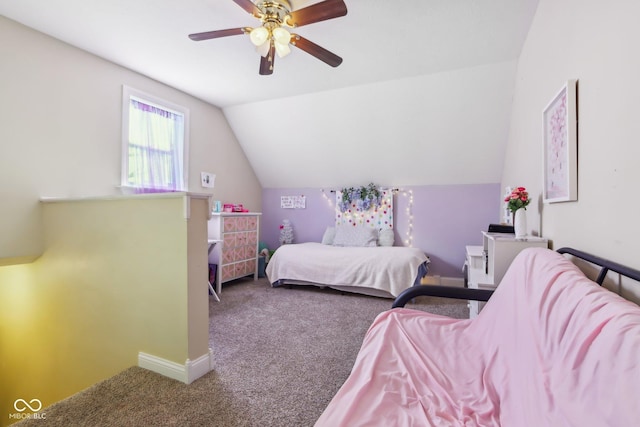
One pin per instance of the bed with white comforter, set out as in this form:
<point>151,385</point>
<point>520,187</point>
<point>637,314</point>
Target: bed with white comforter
<point>383,271</point>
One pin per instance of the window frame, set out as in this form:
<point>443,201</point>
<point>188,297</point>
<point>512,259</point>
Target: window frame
<point>128,93</point>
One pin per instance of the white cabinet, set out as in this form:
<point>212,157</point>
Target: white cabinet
<point>487,264</point>
<point>236,245</point>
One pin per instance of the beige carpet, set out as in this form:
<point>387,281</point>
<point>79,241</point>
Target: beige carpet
<point>280,356</point>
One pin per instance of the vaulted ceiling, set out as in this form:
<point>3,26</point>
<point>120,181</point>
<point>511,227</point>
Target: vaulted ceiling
<point>423,95</point>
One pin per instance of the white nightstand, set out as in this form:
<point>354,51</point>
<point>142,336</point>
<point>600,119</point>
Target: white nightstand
<point>487,264</point>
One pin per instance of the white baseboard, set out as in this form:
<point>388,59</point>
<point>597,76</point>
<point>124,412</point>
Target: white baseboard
<point>187,373</point>
<point>199,367</point>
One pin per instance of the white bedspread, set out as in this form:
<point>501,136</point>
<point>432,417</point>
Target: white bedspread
<point>390,269</point>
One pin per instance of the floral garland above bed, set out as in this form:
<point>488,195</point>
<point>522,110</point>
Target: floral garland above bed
<point>365,207</point>
<point>360,199</point>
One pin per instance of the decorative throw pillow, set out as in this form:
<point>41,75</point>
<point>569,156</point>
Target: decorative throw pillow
<point>386,237</point>
<point>347,235</point>
<point>328,236</point>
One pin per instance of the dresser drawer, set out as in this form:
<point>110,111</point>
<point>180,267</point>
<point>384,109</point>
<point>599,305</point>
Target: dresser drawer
<point>236,254</point>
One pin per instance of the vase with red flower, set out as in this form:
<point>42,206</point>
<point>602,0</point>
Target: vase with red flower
<point>517,203</point>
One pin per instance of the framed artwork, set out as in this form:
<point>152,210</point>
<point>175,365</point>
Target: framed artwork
<point>293,202</point>
<point>560,127</point>
<point>286,202</point>
<point>299,202</point>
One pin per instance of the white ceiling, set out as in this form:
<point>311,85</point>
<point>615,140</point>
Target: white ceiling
<point>401,60</point>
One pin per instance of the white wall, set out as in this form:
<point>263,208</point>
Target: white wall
<point>60,133</point>
<point>597,43</point>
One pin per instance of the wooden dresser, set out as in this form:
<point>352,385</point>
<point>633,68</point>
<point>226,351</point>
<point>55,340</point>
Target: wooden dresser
<point>233,239</point>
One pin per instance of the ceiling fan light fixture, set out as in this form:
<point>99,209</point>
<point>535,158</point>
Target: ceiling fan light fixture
<point>281,38</point>
<point>263,49</point>
<point>271,38</point>
<point>282,49</point>
<point>259,36</point>
<point>281,35</point>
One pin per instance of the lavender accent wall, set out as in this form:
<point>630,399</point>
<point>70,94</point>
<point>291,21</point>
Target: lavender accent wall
<point>446,218</point>
<point>308,224</point>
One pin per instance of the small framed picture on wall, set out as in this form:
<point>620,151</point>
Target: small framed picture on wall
<point>560,146</point>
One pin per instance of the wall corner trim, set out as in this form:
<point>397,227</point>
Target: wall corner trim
<point>187,373</point>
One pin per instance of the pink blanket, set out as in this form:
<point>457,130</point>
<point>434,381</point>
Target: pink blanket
<point>550,348</point>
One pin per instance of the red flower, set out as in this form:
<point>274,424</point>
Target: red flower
<point>519,198</point>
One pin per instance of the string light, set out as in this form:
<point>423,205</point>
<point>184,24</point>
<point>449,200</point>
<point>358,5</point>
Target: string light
<point>409,211</point>
<point>328,199</point>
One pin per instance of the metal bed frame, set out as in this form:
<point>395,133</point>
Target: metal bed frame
<point>484,294</point>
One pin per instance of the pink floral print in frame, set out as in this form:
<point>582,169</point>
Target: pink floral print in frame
<point>560,146</point>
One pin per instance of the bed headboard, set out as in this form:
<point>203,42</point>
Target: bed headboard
<point>380,217</point>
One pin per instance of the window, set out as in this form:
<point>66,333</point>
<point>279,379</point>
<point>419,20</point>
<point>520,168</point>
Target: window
<point>154,143</point>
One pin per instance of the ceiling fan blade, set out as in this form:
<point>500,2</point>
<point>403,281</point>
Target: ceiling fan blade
<point>322,11</point>
<point>248,6</point>
<point>216,34</point>
<point>266,62</point>
<point>313,49</point>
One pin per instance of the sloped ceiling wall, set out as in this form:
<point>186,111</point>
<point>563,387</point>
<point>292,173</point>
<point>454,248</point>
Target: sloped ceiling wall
<point>443,128</point>
<point>423,95</point>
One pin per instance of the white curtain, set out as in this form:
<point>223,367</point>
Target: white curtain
<point>156,141</point>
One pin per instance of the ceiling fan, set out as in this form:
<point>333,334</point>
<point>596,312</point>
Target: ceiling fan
<point>272,37</point>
